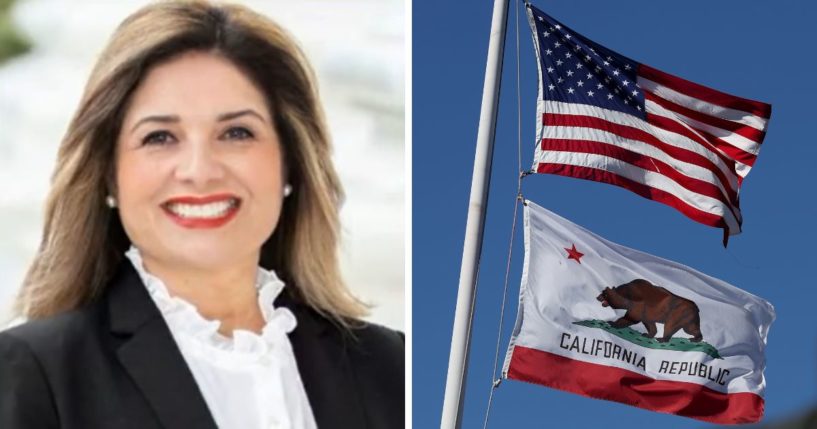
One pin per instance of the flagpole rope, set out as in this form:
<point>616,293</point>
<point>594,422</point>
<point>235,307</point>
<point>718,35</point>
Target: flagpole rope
<point>494,380</point>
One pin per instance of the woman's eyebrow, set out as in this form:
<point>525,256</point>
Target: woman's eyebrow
<point>232,115</point>
<point>164,119</point>
<point>168,119</point>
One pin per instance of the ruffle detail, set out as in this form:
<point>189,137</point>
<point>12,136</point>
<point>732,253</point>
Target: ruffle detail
<point>187,324</point>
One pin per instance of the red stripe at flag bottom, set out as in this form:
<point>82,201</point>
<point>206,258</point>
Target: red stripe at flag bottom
<point>645,191</point>
<point>627,387</point>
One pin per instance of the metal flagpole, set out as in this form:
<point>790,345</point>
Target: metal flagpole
<point>461,337</point>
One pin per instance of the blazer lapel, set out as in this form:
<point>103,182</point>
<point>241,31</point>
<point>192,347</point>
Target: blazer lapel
<point>325,368</point>
<point>150,355</point>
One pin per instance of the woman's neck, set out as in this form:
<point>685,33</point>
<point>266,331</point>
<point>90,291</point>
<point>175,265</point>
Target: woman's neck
<point>227,293</point>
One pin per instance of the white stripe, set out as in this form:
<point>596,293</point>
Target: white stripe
<point>620,118</point>
<point>734,139</point>
<point>645,177</point>
<point>740,168</point>
<point>704,107</point>
<point>535,35</point>
<point>635,146</point>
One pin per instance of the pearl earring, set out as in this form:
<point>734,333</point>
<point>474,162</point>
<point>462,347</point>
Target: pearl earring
<point>287,190</point>
<point>110,201</point>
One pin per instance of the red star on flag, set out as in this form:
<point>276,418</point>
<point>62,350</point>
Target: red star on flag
<point>572,253</point>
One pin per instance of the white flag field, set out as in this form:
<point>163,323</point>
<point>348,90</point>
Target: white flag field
<point>606,321</point>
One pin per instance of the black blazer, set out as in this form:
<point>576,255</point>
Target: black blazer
<point>114,364</point>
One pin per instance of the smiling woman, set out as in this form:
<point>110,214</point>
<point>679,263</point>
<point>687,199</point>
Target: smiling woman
<point>196,175</point>
<point>200,181</point>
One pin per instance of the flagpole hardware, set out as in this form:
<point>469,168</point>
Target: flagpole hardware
<point>497,382</point>
<point>520,197</point>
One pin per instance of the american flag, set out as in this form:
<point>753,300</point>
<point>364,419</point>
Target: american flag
<point>605,117</point>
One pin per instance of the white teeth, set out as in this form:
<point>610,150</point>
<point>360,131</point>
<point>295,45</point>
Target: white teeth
<point>204,211</point>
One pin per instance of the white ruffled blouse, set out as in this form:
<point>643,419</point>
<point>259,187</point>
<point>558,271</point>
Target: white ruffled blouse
<point>248,381</point>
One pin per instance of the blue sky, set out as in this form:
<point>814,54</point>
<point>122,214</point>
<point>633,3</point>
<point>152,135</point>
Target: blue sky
<point>751,49</point>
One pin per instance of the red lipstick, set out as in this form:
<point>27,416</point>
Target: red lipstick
<point>202,222</point>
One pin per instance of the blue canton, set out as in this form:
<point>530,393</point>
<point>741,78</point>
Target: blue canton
<point>578,70</point>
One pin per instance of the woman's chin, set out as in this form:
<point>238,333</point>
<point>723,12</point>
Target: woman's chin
<point>206,256</point>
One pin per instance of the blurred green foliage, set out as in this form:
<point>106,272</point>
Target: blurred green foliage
<point>11,42</point>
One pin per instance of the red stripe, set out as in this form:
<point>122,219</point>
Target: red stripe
<point>645,191</point>
<point>632,133</point>
<point>642,161</point>
<point>723,149</point>
<point>730,150</point>
<point>704,93</point>
<point>627,387</point>
<point>735,127</point>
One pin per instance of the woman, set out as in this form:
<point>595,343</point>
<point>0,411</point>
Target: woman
<point>188,276</point>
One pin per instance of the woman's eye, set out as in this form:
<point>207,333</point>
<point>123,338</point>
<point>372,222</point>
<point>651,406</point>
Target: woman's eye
<point>238,133</point>
<point>157,138</point>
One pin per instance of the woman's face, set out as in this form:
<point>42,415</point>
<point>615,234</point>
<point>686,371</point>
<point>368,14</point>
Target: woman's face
<point>199,168</point>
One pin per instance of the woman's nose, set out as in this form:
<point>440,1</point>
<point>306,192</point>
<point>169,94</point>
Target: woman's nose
<point>199,163</point>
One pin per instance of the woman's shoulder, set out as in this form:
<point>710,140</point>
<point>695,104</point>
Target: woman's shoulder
<point>54,334</point>
<point>355,335</point>
<point>377,339</point>
<point>361,341</point>
<point>25,394</point>
<point>92,323</point>
<point>375,357</point>
<point>377,349</point>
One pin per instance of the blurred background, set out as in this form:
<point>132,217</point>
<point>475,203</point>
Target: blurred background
<point>47,49</point>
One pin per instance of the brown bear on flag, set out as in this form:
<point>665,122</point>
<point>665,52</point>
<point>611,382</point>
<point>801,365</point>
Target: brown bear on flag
<point>650,304</point>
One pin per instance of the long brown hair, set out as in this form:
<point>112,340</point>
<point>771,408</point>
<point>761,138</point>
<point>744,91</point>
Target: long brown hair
<point>83,240</point>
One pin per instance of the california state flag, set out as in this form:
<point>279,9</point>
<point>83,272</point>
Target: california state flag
<point>609,322</point>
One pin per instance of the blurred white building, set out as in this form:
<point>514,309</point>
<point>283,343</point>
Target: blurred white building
<point>357,48</point>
